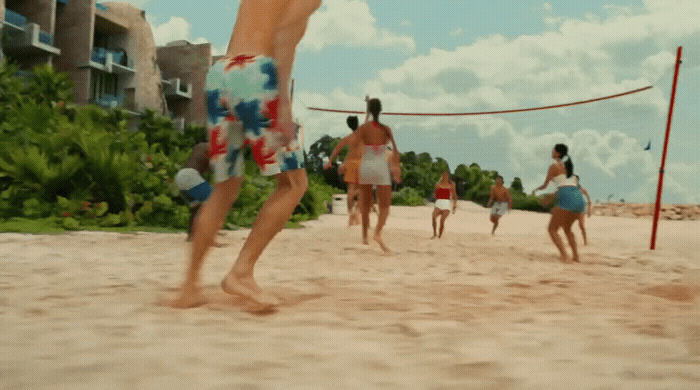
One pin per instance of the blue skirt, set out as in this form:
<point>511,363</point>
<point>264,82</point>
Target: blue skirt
<point>570,198</point>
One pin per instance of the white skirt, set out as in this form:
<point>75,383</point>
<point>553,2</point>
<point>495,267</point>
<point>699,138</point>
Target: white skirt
<point>443,204</point>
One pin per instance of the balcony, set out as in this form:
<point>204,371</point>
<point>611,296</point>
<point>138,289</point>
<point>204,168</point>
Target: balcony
<point>111,61</point>
<point>175,88</point>
<point>25,38</point>
<point>109,101</point>
<point>15,20</point>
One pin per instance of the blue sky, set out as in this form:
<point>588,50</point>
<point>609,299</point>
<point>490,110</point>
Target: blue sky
<point>460,56</point>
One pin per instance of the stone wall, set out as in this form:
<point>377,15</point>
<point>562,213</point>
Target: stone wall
<point>675,212</point>
<point>75,25</point>
<point>141,48</point>
<point>41,12</point>
<point>190,63</point>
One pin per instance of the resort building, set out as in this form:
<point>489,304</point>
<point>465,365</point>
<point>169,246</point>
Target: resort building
<point>28,28</point>
<point>110,53</point>
<point>184,68</point>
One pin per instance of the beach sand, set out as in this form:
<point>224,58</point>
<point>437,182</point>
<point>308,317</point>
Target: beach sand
<point>469,311</point>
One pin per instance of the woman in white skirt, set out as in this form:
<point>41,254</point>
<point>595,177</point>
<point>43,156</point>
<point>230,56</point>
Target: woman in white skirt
<point>445,199</point>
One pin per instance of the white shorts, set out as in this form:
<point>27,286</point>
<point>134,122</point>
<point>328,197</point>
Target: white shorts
<point>443,204</point>
<point>192,186</point>
<point>499,208</point>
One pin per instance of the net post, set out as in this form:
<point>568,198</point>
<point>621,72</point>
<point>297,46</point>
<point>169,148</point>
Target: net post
<point>659,188</point>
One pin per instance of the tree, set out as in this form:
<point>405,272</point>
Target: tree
<point>319,152</point>
<point>517,184</point>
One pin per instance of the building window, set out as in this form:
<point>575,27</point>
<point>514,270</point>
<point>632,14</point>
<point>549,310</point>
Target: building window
<point>104,89</point>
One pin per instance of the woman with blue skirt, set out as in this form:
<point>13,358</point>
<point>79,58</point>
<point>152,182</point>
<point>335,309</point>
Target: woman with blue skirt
<point>569,201</point>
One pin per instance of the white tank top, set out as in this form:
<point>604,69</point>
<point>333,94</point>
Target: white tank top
<point>563,181</point>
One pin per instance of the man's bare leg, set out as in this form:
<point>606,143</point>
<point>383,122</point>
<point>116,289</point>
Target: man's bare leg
<point>384,200</point>
<point>352,191</point>
<point>494,219</point>
<point>291,186</point>
<point>210,218</point>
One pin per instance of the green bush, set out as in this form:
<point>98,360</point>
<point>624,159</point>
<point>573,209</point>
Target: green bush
<point>407,196</point>
<point>86,168</point>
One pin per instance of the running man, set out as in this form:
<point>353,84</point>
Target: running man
<point>445,199</point>
<point>193,188</point>
<point>249,105</point>
<point>501,201</point>
<point>350,167</point>
<point>375,171</point>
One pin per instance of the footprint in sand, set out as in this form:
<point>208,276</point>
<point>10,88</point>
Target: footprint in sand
<point>673,292</point>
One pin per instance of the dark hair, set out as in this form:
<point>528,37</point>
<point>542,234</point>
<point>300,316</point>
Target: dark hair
<point>352,122</point>
<point>499,177</point>
<point>563,151</point>
<point>374,106</point>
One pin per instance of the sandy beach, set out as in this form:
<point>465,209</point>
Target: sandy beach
<point>469,311</point>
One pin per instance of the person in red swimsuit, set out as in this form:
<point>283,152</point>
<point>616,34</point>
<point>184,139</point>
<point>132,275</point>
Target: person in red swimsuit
<point>445,198</point>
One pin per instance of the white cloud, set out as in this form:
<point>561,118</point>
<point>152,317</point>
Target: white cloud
<point>456,32</point>
<point>175,29</point>
<point>350,23</point>
<point>406,23</point>
<point>576,60</point>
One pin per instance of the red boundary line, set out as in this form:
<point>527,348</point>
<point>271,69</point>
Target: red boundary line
<point>489,112</point>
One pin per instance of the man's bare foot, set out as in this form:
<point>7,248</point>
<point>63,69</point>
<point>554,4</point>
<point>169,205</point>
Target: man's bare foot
<point>576,259</point>
<point>247,288</point>
<point>565,259</point>
<point>434,235</point>
<point>364,241</point>
<point>378,239</point>
<point>188,297</point>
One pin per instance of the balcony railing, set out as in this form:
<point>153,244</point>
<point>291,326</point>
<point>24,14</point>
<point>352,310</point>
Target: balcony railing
<point>99,55</point>
<point>119,57</point>
<point>45,38</point>
<point>14,18</point>
<point>109,101</point>
<point>102,7</point>
<point>27,39</point>
<point>177,88</point>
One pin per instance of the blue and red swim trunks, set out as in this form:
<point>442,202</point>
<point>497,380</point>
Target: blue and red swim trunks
<point>242,105</point>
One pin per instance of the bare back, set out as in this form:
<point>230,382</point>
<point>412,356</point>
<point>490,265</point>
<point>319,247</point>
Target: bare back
<point>199,159</point>
<point>354,147</point>
<point>259,23</point>
<point>373,133</point>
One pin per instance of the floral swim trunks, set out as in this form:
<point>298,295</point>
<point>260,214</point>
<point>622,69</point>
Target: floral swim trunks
<point>242,105</point>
